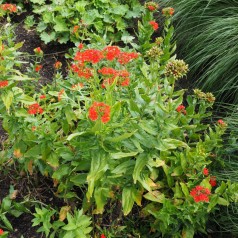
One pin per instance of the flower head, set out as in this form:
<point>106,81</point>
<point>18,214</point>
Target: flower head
<point>168,11</point>
<point>221,123</point>
<point>35,109</point>
<point>205,171</point>
<point>176,68</point>
<point>151,6</point>
<point>1,232</point>
<point>213,181</point>
<point>99,110</point>
<point>126,57</point>
<point>111,52</point>
<point>103,236</point>
<point>3,84</point>
<point>181,109</point>
<point>38,51</point>
<point>9,7</point>
<point>154,24</point>
<point>58,65</point>
<point>200,194</point>
<point>42,96</point>
<point>75,29</point>
<point>38,67</point>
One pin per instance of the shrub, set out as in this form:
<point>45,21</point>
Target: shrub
<point>117,130</point>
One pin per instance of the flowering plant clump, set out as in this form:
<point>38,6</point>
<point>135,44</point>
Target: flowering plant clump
<point>117,130</point>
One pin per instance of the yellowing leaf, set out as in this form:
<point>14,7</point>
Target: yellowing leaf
<point>63,212</point>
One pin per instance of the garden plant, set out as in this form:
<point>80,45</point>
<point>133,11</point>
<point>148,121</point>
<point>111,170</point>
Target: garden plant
<point>114,131</point>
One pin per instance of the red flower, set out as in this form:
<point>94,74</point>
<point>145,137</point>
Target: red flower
<point>77,86</point>
<point>75,29</point>
<point>82,71</point>
<point>103,236</point>
<point>1,232</point>
<point>151,8</point>
<point>80,46</point>
<point>154,24</point>
<point>126,57</point>
<point>111,52</point>
<point>9,7</point>
<point>90,55</point>
<point>38,68</point>
<point>99,110</point>
<point>125,82</point>
<point>35,109</point>
<point>38,51</point>
<point>107,71</point>
<point>206,171</point>
<point>3,84</point>
<point>213,181</point>
<point>200,194</point>
<point>33,128</point>
<point>58,65</point>
<point>181,108</point>
<point>42,96</point>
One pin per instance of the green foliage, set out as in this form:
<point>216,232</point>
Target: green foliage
<point>77,225</point>
<point>77,21</point>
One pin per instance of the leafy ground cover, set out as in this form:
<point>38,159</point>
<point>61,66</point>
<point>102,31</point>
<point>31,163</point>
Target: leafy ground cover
<point>101,141</point>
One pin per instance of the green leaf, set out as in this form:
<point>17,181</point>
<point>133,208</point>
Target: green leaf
<point>184,189</point>
<point>141,161</point>
<point>101,195</point>
<point>155,196</point>
<point>6,204</point>
<point>61,172</point>
<point>127,200</point>
<point>222,201</point>
<point>120,155</point>
<point>70,137</point>
<point>53,160</point>
<point>33,151</point>
<point>120,138</point>
<point>7,99</point>
<point>188,232</point>
<point>48,37</point>
<point>79,179</point>
<point>60,24</point>
<point>6,222</point>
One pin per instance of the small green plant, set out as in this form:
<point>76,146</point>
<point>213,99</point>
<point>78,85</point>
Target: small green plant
<point>77,225</point>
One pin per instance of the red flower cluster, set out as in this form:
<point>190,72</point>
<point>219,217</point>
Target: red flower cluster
<point>123,76</point>
<point>154,24</point>
<point>9,7</point>
<point>38,67</point>
<point>1,232</point>
<point>205,171</point>
<point>90,55</point>
<point>126,57</point>
<point>200,194</point>
<point>111,52</point>
<point>99,110</point>
<point>213,181</point>
<point>181,108</point>
<point>3,84</point>
<point>82,71</point>
<point>35,109</point>
<point>80,46</point>
<point>103,236</point>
